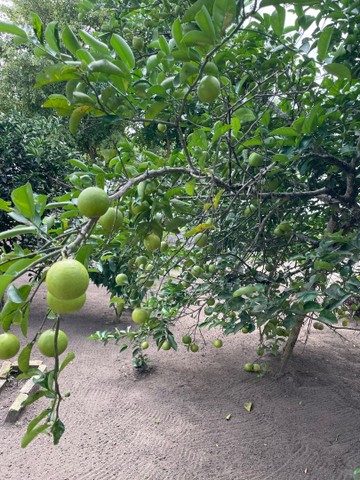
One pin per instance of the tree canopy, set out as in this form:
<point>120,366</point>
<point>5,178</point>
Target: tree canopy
<point>232,162</point>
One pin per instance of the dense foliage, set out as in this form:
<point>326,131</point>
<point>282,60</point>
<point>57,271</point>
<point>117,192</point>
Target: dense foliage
<point>236,145</point>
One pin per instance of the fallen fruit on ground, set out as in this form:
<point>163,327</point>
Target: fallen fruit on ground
<point>208,89</point>
<point>152,242</point>
<point>121,279</point>
<point>218,343</point>
<point>256,367</point>
<point>318,326</point>
<point>65,306</point>
<point>111,220</point>
<point>46,343</point>
<point>194,347</point>
<point>139,315</point>
<point>166,345</point>
<point>93,202</point>
<point>9,345</point>
<point>67,279</point>
<point>248,367</point>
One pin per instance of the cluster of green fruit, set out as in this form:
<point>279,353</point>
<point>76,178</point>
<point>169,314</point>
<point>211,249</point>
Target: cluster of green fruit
<point>252,367</point>
<point>10,344</point>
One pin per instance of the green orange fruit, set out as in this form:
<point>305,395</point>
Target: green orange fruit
<point>65,306</point>
<point>218,343</point>
<point>256,160</point>
<point>208,89</point>
<point>166,345</point>
<point>67,279</point>
<point>46,343</point>
<point>111,220</point>
<point>121,279</point>
<point>194,347</point>
<point>248,367</point>
<point>186,339</point>
<point>144,345</point>
<point>93,202</point>
<point>9,345</point>
<point>201,239</point>
<point>139,315</point>
<point>152,242</point>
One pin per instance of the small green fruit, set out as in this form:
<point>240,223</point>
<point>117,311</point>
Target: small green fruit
<point>256,367</point>
<point>218,343</point>
<point>138,43</point>
<point>144,345</point>
<point>166,345</point>
<point>245,330</point>
<point>194,347</point>
<point>318,326</point>
<point>162,127</point>
<point>152,242</point>
<point>248,367</point>
<point>139,315</point>
<point>210,301</point>
<point>256,160</point>
<point>201,240</point>
<point>186,339</point>
<point>121,279</point>
<point>208,89</point>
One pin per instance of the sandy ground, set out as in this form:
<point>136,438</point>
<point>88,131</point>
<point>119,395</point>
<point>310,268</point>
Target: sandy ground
<point>171,423</point>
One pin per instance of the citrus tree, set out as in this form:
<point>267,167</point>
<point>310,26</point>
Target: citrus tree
<point>230,193</point>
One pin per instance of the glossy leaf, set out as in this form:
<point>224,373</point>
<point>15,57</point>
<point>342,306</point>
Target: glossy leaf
<point>123,50</point>
<point>23,199</point>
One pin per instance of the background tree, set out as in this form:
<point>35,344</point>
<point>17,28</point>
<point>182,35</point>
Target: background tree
<point>231,180</point>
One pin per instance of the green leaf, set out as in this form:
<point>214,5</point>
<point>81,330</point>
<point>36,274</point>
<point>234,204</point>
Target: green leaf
<point>205,23</point>
<point>70,40</point>
<point>190,14</point>
<point>338,69</point>
<point>198,229</point>
<point>69,358</point>
<point>105,66</point>
<point>154,109</point>
<point>29,436</point>
<point>328,317</point>
<point>37,419</point>
<point>285,132</point>
<point>218,197</point>
<point>267,3</point>
<point>76,117</point>
<point>277,20</point>
<point>56,73</point>
<point>57,101</point>
<point>23,199</point>
<point>18,294</point>
<point>244,115</point>
<point>123,50</point>
<point>5,205</point>
<point>4,282</point>
<point>177,32</point>
<point>8,27</point>
<point>24,357</point>
<point>224,13</point>
<point>14,232</point>
<point>190,187</point>
<point>57,430</point>
<point>324,43</point>
<point>25,320</point>
<point>34,398</point>
<point>52,36</point>
<point>94,43</point>
<point>195,37</point>
<point>38,27</point>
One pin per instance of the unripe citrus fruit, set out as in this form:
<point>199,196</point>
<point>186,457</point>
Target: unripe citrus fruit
<point>208,89</point>
<point>210,301</point>
<point>162,127</point>
<point>139,315</point>
<point>141,261</point>
<point>248,367</point>
<point>256,367</point>
<point>65,306</point>
<point>201,239</point>
<point>166,345</point>
<point>194,347</point>
<point>186,339</point>
<point>245,330</point>
<point>218,343</point>
<point>46,343</point>
<point>9,345</point>
<point>318,326</point>
<point>138,43</point>
<point>196,271</point>
<point>152,242</point>
<point>249,210</point>
<point>144,345</point>
<point>211,69</point>
<point>93,202</point>
<point>345,323</point>
<point>111,220</point>
<point>67,279</point>
<point>256,160</point>
<point>121,279</point>
<point>163,247</point>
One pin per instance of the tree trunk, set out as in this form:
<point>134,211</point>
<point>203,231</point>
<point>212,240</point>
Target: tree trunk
<point>289,347</point>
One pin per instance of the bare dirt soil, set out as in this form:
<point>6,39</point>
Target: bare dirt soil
<point>171,423</point>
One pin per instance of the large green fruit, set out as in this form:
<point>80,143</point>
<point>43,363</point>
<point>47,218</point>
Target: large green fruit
<point>208,89</point>
<point>9,345</point>
<point>46,343</point>
<point>111,220</point>
<point>166,345</point>
<point>121,279</point>
<point>152,242</point>
<point>256,160</point>
<point>93,202</point>
<point>67,279</point>
<point>139,315</point>
<point>65,306</point>
<point>201,239</point>
<point>211,69</point>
